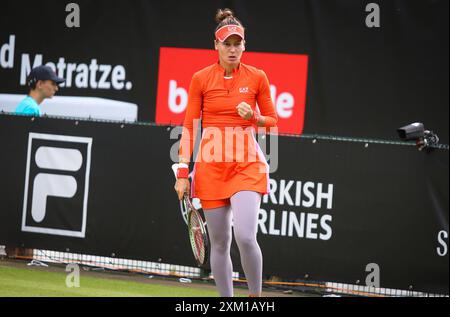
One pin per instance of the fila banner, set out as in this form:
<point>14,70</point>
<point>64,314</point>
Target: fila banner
<point>337,210</point>
<point>58,166</point>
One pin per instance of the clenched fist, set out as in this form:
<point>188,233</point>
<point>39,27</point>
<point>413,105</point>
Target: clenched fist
<point>244,110</point>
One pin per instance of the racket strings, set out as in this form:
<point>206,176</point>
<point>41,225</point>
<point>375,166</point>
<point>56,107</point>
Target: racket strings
<point>197,236</point>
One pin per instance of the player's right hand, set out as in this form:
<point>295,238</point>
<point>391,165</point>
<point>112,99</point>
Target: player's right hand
<point>182,186</point>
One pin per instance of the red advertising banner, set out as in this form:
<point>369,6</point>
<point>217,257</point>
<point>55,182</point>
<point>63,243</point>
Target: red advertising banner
<point>287,75</point>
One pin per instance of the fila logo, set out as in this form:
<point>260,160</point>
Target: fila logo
<point>56,185</point>
<point>243,90</point>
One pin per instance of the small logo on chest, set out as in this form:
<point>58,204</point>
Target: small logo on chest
<point>243,90</point>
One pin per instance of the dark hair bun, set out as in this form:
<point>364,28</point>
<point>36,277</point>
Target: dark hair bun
<point>222,14</point>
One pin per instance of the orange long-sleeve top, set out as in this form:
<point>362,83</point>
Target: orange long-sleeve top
<point>214,98</point>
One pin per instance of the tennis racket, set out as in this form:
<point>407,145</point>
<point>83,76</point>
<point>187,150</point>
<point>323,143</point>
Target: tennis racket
<point>198,237</point>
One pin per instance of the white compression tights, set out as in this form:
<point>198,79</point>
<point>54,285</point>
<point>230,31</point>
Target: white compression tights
<point>244,211</point>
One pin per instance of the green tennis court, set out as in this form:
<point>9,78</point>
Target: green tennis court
<point>20,280</point>
<point>17,279</point>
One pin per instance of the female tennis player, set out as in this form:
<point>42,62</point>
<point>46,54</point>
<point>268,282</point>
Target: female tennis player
<point>228,180</point>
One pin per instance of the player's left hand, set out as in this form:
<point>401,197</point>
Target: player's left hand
<point>244,110</point>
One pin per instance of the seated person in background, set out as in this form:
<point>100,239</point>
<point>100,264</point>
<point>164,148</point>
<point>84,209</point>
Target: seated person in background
<point>43,83</point>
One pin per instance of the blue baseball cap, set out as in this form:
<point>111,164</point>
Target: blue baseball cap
<point>44,73</point>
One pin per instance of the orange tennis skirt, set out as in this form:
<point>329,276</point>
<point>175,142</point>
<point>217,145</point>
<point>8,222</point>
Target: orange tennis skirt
<point>228,161</point>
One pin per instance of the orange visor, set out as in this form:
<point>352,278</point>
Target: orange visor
<point>225,31</point>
